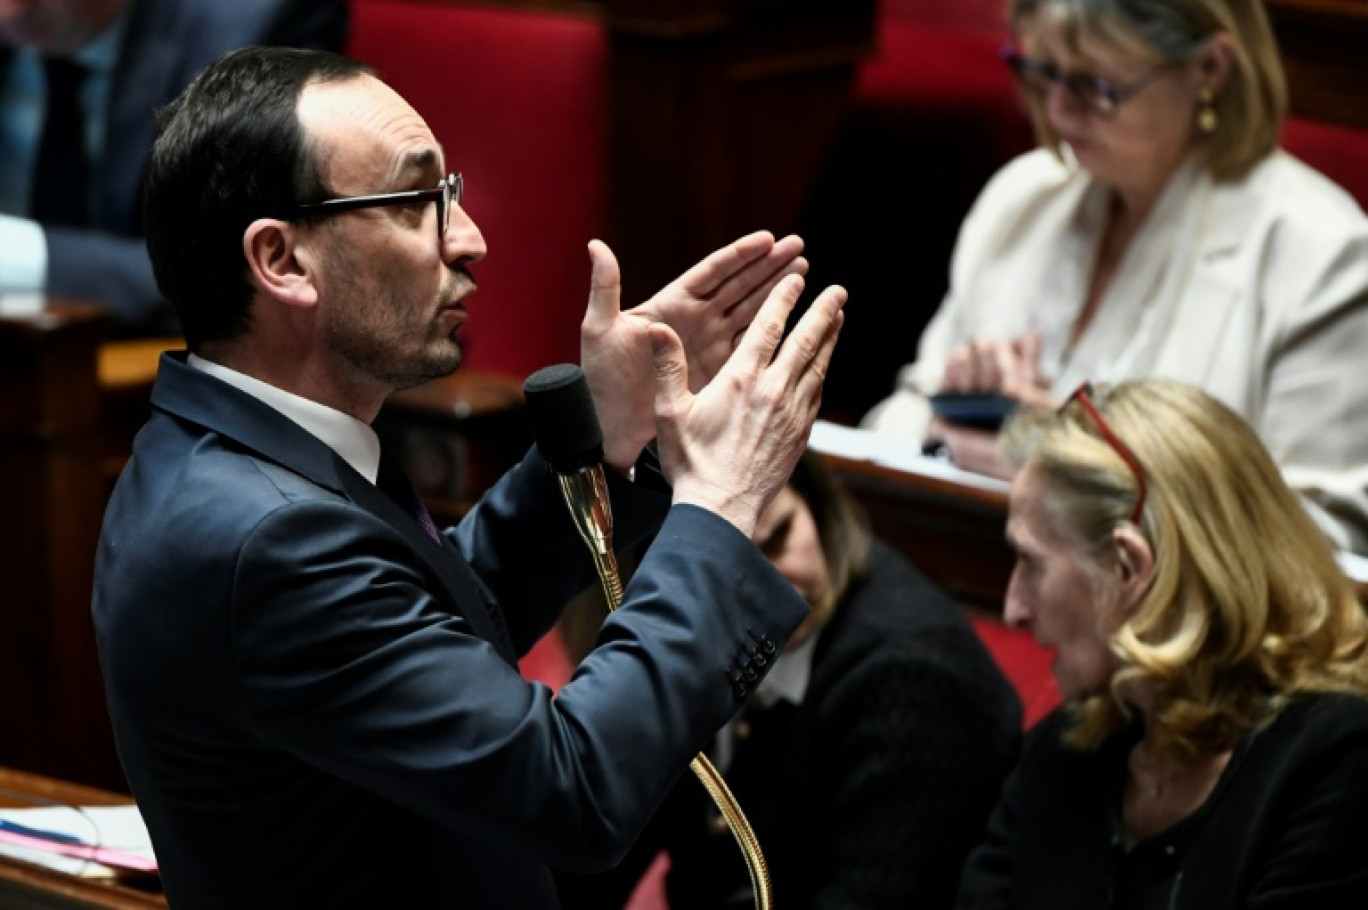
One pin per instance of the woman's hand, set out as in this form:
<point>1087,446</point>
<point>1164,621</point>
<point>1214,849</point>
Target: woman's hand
<point>1008,366</point>
<point>971,449</point>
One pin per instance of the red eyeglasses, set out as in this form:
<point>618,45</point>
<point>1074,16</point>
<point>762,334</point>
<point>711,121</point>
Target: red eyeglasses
<point>1083,395</point>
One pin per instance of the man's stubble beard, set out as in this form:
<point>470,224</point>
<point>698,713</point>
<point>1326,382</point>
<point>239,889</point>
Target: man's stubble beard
<point>380,348</point>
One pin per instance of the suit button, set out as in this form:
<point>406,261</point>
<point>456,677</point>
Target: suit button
<point>749,674</point>
<point>739,690</point>
<point>768,644</point>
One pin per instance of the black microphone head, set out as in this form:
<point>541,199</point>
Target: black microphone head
<point>564,421</point>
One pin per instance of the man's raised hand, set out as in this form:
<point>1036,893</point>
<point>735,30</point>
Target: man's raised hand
<point>731,446</point>
<point>709,308</point>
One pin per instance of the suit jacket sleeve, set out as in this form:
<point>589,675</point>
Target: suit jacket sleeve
<point>523,545</point>
<point>347,660</point>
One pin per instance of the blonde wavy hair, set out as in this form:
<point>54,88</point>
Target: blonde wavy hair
<point>1250,107</point>
<point>1246,606</point>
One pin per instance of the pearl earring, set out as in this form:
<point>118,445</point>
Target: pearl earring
<point>1207,121</point>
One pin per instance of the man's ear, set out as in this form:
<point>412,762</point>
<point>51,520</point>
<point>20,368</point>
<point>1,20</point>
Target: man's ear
<point>281,267</point>
<point>1134,563</point>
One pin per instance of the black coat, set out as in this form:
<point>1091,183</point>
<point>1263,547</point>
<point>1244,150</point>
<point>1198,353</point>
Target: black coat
<point>1282,829</point>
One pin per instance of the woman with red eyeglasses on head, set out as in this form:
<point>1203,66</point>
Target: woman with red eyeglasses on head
<point>1159,230</point>
<point>1214,663</point>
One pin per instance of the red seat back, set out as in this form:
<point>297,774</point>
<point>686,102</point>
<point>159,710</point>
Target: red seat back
<point>989,16</point>
<point>1339,152</point>
<point>1025,663</point>
<point>517,101</point>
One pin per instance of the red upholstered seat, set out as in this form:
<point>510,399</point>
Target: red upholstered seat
<point>517,101</point>
<point>548,662</point>
<point>1339,152</point>
<point>1025,663</point>
<point>946,56</point>
<point>947,74</point>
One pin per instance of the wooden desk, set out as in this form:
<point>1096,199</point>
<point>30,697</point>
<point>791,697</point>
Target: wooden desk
<point>69,405</point>
<point>52,710</point>
<point>27,887</point>
<point>126,371</point>
<point>952,532</point>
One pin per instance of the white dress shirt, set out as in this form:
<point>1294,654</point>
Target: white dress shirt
<point>353,440</point>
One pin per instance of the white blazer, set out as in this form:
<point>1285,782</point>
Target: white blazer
<point>1255,289</point>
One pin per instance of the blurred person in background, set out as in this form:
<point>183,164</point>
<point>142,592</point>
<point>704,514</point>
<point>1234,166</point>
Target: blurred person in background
<point>1159,231</point>
<point>79,80</point>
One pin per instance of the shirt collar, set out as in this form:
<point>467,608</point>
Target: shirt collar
<point>353,440</point>
<point>788,680</point>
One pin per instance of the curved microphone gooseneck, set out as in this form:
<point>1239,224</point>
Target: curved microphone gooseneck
<point>569,437</point>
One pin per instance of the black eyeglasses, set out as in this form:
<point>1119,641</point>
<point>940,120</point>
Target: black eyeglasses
<point>448,190</point>
<point>1097,94</point>
<point>1083,395</point>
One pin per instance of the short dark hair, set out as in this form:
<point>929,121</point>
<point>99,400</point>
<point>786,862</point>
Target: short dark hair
<point>230,150</point>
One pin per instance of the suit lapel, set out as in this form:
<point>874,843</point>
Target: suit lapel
<point>191,395</point>
<point>468,595</point>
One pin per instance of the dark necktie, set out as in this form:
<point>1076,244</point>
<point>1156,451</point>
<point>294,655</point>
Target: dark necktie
<point>394,483</point>
<point>61,174</point>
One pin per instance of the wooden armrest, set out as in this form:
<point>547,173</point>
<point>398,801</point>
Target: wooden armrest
<point>132,364</point>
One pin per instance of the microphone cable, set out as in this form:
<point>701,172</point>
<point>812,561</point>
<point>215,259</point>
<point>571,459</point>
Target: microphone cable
<point>569,437</point>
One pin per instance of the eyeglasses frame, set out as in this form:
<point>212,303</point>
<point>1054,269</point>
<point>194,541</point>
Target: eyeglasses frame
<point>1103,90</point>
<point>449,189</point>
<point>1083,395</point>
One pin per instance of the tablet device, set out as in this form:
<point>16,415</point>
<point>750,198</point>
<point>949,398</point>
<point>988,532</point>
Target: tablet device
<point>980,410</point>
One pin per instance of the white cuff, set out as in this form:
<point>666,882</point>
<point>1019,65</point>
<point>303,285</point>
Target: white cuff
<point>23,255</point>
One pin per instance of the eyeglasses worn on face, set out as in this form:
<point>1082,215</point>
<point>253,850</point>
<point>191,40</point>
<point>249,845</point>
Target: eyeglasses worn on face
<point>448,190</point>
<point>1093,92</point>
<point>1083,395</point>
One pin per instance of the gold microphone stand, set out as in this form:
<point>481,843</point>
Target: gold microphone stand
<point>586,495</point>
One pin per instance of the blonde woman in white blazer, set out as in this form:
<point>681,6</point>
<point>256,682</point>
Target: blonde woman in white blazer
<point>1160,232</point>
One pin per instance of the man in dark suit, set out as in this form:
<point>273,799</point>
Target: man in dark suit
<point>314,695</point>
<point>121,59</point>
